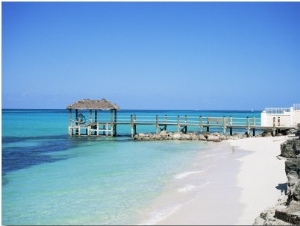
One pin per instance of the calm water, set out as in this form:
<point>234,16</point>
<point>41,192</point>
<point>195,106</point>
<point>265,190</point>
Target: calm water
<point>51,178</point>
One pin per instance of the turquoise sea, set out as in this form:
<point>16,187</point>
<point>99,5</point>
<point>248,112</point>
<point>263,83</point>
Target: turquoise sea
<point>50,178</point>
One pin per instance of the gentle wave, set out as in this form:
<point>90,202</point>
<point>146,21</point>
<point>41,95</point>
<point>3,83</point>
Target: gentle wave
<point>187,188</point>
<point>186,174</point>
<point>191,187</point>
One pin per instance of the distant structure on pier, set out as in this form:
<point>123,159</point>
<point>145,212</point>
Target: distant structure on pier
<point>288,117</point>
<point>92,126</point>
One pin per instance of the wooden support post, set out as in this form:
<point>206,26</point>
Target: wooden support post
<point>131,125</point>
<point>200,124</point>
<point>248,126</point>
<point>91,116</point>
<point>156,124</point>
<point>274,127</point>
<point>165,123</point>
<point>77,131</point>
<point>70,117</point>
<point>230,123</point>
<point>134,124</point>
<point>114,128</point>
<point>224,125</point>
<point>96,115</point>
<point>178,123</point>
<point>70,123</point>
<point>207,129</point>
<point>185,121</point>
<point>254,124</point>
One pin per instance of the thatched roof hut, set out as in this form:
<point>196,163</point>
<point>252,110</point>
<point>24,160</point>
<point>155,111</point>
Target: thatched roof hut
<point>80,121</point>
<point>93,105</point>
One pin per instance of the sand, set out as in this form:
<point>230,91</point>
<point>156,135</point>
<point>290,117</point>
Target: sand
<point>248,182</point>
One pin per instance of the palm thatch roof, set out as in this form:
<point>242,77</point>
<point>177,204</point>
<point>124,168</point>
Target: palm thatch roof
<point>94,104</point>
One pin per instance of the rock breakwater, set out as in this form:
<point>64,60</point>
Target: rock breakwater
<point>205,136</point>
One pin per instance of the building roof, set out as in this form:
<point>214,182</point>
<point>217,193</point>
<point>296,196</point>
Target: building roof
<point>94,104</point>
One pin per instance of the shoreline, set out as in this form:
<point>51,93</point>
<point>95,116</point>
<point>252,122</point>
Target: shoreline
<point>241,187</point>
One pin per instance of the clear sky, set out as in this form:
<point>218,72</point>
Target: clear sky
<point>155,55</point>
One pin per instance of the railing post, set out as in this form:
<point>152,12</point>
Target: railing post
<point>131,123</point>
<point>91,116</point>
<point>77,131</point>
<point>106,130</point>
<point>157,125</point>
<point>133,126</point>
<point>207,129</point>
<point>70,117</point>
<point>185,121</point>
<point>97,131</point>
<point>178,123</point>
<point>254,125</point>
<point>230,123</point>
<point>274,128</point>
<point>200,124</point>
<point>224,125</point>
<point>248,126</point>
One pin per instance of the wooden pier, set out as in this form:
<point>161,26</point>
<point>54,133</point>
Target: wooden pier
<point>224,124</point>
<point>181,124</point>
<point>93,126</point>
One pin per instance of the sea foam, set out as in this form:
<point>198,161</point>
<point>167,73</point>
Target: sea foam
<point>186,174</point>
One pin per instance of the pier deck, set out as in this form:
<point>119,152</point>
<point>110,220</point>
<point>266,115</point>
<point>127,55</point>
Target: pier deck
<point>181,124</point>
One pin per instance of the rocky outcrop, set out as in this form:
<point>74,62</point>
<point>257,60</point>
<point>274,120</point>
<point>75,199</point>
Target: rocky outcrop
<point>287,211</point>
<point>290,149</point>
<point>205,136</point>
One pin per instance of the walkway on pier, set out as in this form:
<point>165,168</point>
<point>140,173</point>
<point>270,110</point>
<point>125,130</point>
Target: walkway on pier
<point>181,124</point>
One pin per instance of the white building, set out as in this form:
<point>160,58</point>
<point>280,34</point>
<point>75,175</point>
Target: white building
<point>284,117</point>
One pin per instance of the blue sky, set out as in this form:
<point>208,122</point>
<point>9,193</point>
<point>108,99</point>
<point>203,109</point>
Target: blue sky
<point>155,55</point>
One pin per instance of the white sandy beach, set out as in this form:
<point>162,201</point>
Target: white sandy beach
<point>240,200</point>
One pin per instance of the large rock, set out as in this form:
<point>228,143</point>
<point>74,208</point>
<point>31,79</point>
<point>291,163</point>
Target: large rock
<point>202,137</point>
<point>163,134</point>
<point>292,170</point>
<point>290,148</point>
<point>290,214</point>
<point>176,136</point>
<point>292,165</point>
<point>213,138</point>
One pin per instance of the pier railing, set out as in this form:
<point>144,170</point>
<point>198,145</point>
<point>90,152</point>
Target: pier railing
<point>180,123</point>
<point>201,123</point>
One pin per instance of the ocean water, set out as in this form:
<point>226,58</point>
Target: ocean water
<point>50,178</point>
